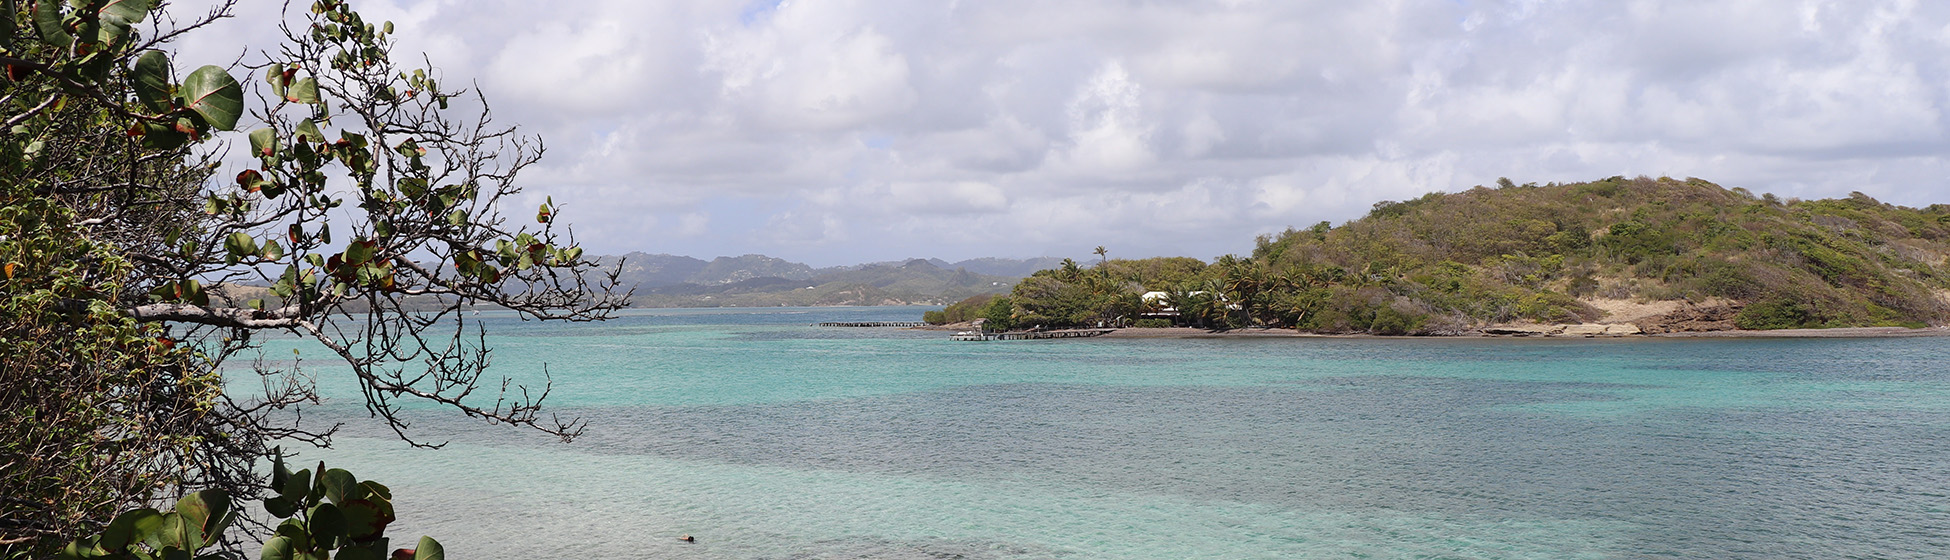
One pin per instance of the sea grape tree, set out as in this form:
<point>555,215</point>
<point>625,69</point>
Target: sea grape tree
<point>139,253</point>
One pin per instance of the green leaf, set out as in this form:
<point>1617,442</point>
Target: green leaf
<point>193,291</point>
<point>274,75</point>
<point>80,549</point>
<point>239,244</point>
<point>206,510</point>
<point>303,91</point>
<point>114,18</point>
<point>278,548</point>
<point>158,136</point>
<point>272,251</point>
<point>309,131</point>
<point>177,531</point>
<point>367,518</point>
<point>215,96</point>
<point>358,553</point>
<point>132,11</point>
<point>279,473</point>
<point>294,530</point>
<point>297,487</point>
<point>7,23</point>
<point>340,485</point>
<point>357,253</point>
<point>130,527</point>
<point>279,507</point>
<point>327,525</point>
<point>47,20</point>
<point>429,549</point>
<point>264,142</point>
<point>377,489</point>
<point>151,83</point>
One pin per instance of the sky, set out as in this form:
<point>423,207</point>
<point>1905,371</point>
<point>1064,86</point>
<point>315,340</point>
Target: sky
<point>845,131</point>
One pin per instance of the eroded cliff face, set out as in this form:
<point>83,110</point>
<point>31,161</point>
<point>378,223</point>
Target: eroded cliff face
<point>1690,317</point>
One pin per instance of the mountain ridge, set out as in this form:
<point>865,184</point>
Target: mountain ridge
<point>754,280</point>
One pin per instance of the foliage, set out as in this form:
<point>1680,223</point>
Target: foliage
<point>333,513</point>
<point>123,260</point>
<point>999,314</point>
<point>1775,314</point>
<point>964,310</point>
<point>1446,262</point>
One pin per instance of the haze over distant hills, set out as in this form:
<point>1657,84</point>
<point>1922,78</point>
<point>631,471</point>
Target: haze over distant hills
<point>663,280</point>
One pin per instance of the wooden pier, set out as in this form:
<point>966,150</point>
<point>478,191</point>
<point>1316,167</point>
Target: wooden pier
<point>873,324</point>
<point>1033,335</point>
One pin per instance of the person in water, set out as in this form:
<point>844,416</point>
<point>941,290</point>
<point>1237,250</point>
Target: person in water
<point>687,538</point>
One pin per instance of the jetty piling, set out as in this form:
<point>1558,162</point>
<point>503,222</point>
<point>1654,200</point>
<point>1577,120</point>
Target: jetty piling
<point>897,324</point>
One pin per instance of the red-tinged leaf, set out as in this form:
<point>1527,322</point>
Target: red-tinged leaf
<point>214,95</point>
<point>249,177</point>
<point>135,131</point>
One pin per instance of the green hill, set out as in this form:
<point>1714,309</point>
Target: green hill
<point>1455,262</point>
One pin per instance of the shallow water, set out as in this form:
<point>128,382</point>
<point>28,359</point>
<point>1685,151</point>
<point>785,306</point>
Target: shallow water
<point>768,438</point>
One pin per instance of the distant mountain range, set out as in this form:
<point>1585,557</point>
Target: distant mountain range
<point>663,280</point>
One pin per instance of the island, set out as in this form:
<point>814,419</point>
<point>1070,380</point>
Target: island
<point>1613,257</point>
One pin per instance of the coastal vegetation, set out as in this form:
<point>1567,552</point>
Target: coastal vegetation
<point>368,207</point>
<point>960,312</point>
<point>1448,263</point>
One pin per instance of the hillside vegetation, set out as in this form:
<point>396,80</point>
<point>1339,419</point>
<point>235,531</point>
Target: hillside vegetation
<point>1454,262</point>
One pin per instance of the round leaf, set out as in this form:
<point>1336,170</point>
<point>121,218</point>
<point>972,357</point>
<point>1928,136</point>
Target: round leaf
<point>327,525</point>
<point>215,96</point>
<point>152,80</point>
<point>429,549</point>
<point>341,486</point>
<point>278,548</point>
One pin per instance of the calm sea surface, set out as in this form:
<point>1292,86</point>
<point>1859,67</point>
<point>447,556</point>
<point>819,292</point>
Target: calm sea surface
<point>768,438</point>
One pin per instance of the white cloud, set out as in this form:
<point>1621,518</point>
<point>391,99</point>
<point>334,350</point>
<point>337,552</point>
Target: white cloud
<point>855,130</point>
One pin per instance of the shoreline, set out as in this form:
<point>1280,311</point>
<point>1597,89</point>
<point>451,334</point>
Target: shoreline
<point>1255,333</point>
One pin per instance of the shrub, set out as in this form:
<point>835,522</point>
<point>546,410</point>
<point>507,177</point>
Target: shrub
<point>333,514</point>
<point>1776,314</point>
<point>1391,321</point>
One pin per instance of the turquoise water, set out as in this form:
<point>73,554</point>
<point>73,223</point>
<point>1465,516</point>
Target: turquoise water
<point>768,438</point>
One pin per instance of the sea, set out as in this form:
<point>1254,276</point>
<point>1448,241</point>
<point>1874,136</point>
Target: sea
<point>762,436</point>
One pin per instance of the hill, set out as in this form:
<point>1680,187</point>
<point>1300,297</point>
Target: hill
<point>1699,256</point>
<point>761,281</point>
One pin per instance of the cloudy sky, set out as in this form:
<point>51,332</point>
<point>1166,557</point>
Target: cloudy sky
<point>843,131</point>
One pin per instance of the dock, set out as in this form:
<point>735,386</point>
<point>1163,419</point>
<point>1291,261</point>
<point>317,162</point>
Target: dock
<point>1032,335</point>
<point>894,324</point>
